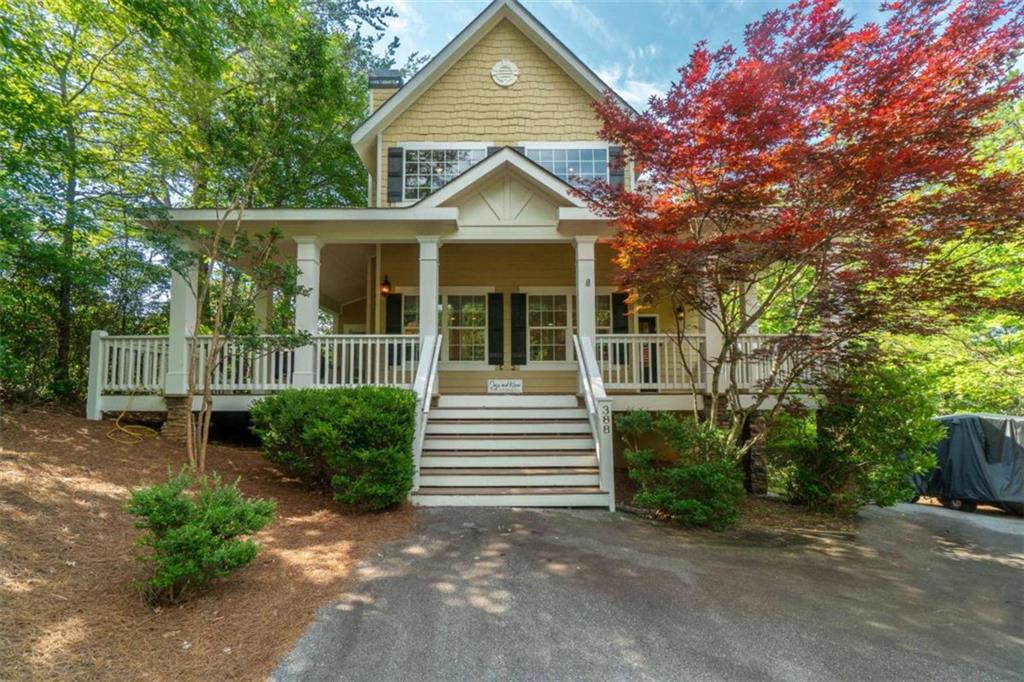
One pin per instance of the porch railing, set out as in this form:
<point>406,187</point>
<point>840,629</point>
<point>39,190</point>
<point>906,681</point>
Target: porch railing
<point>637,362</point>
<point>663,362</point>
<point>761,359</point>
<point>246,368</point>
<point>355,360</point>
<point>139,364</point>
<point>132,364</point>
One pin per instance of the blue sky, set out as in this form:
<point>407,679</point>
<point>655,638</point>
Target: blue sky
<point>635,46</point>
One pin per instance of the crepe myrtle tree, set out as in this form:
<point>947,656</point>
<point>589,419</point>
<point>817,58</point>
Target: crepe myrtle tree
<point>235,268</point>
<point>835,171</point>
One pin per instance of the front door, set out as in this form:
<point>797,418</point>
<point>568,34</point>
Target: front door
<point>648,324</point>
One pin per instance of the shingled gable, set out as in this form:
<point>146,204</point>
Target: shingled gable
<point>364,137</point>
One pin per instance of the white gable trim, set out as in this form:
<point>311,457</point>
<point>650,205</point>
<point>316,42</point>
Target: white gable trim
<point>459,46</point>
<point>506,158</point>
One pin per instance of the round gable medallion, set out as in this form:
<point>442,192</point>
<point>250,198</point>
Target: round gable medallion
<point>505,73</point>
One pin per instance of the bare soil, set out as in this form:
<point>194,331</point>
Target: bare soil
<point>68,605</point>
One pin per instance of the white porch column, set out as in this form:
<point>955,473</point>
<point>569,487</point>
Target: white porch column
<point>307,306</point>
<point>429,271</point>
<point>181,325</point>
<point>586,313</point>
<point>97,376</point>
<point>750,304</point>
<point>264,309</point>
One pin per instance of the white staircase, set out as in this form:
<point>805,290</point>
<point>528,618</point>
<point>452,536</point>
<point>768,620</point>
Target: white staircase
<point>509,451</point>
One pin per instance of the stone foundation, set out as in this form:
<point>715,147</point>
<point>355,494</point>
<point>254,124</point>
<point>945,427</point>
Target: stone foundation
<point>755,466</point>
<point>176,424</point>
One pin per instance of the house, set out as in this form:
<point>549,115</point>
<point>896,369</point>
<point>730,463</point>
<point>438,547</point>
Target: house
<point>474,276</point>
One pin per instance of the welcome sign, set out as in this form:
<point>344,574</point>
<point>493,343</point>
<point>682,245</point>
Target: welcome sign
<point>504,385</point>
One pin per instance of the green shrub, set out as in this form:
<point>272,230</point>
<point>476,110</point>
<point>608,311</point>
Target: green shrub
<point>703,486</point>
<point>195,536</point>
<point>353,442</point>
<point>873,431</point>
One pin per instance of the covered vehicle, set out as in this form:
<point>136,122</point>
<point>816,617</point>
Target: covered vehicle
<point>980,461</point>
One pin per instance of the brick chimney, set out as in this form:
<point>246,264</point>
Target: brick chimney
<point>383,84</point>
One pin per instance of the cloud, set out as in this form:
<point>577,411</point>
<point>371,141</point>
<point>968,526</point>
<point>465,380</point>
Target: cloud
<point>407,26</point>
<point>635,90</point>
<point>586,19</point>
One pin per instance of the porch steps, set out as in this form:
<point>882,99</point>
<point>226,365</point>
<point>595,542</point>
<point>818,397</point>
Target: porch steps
<point>509,451</point>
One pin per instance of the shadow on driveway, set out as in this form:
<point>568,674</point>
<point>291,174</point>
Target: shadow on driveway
<point>557,595</point>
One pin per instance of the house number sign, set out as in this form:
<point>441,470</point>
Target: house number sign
<point>504,385</point>
<point>606,418</point>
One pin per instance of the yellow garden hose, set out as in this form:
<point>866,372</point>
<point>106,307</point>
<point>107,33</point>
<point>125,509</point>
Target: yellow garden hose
<point>130,434</point>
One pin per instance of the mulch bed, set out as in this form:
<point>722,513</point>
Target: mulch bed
<point>68,606</point>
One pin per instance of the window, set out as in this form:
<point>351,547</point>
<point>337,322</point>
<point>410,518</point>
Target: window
<point>547,324</point>
<point>428,170</point>
<point>410,314</point>
<point>467,328</point>
<point>572,165</point>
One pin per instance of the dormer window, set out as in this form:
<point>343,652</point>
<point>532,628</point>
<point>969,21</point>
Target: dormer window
<point>428,168</point>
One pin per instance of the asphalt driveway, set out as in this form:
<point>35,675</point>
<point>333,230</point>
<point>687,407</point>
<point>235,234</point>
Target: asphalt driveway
<point>472,594</point>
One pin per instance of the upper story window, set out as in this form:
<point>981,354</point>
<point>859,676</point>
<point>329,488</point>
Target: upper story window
<point>428,170</point>
<point>572,164</point>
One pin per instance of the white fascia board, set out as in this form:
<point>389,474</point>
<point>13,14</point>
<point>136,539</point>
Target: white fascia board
<point>314,215</point>
<point>462,43</point>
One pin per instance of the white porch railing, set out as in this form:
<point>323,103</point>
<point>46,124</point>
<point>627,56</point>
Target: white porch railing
<point>132,364</point>
<point>139,364</point>
<point>599,413</point>
<point>760,360</point>
<point>355,360</point>
<point>638,362</point>
<point>653,362</point>
<point>243,368</point>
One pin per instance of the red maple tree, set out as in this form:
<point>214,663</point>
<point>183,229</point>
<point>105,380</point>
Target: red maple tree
<point>832,169</point>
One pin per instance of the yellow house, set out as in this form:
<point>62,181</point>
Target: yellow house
<point>474,276</point>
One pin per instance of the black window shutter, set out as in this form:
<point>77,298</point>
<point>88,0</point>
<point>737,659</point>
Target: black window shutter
<point>620,312</point>
<point>395,161</point>
<point>616,168</point>
<point>493,150</point>
<point>496,329</point>
<point>393,314</point>
<point>521,150</point>
<point>518,308</point>
<point>393,323</point>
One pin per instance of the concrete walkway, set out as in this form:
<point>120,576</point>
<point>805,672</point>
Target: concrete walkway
<point>475,594</point>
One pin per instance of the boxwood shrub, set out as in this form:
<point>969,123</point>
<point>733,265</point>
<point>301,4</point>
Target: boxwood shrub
<point>702,486</point>
<point>197,529</point>
<point>355,443</point>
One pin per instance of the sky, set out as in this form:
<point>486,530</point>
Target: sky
<point>635,46</point>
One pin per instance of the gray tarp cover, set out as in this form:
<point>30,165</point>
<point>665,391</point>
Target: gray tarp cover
<point>981,459</point>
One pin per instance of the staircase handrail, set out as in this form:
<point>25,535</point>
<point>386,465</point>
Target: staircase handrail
<point>423,387</point>
<point>599,412</point>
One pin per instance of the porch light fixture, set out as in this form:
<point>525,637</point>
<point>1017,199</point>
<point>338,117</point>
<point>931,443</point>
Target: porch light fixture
<point>680,314</point>
<point>385,286</point>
